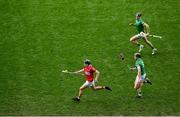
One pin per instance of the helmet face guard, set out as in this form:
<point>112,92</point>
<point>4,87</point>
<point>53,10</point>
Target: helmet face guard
<point>87,62</point>
<point>137,55</point>
<point>138,14</point>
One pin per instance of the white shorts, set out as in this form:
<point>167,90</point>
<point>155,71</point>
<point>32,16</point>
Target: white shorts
<point>140,79</point>
<point>141,35</point>
<point>89,84</point>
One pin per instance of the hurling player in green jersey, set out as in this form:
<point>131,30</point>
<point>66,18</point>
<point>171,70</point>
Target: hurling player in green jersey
<point>141,76</point>
<point>143,33</point>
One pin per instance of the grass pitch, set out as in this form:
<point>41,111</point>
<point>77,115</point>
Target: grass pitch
<point>40,38</point>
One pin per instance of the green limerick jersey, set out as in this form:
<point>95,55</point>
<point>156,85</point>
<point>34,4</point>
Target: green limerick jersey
<point>139,62</point>
<point>139,25</point>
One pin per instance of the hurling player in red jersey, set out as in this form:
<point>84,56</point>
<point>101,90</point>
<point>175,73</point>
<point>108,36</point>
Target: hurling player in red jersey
<point>89,72</point>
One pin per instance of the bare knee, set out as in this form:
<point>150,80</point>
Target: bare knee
<point>131,39</point>
<point>94,88</point>
<point>146,40</point>
<point>136,86</point>
<point>134,38</point>
<point>81,89</point>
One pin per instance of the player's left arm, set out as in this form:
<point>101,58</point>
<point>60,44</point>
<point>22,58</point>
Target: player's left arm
<point>146,28</point>
<point>132,69</point>
<point>79,72</point>
<point>97,75</point>
<point>132,24</point>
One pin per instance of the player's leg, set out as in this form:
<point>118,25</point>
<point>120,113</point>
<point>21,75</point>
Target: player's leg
<point>81,89</point>
<point>95,88</point>
<point>154,50</point>
<point>138,89</point>
<point>137,86</point>
<point>148,42</point>
<point>147,80</point>
<point>134,40</point>
<point>136,83</point>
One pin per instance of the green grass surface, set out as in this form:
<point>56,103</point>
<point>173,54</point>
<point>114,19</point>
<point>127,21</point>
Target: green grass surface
<point>39,38</point>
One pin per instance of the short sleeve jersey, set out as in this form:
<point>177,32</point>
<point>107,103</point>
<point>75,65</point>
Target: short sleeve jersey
<point>89,72</point>
<point>139,26</point>
<point>140,63</point>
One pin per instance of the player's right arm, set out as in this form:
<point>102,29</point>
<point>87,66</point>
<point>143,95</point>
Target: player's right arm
<point>146,28</point>
<point>132,69</point>
<point>79,72</point>
<point>132,24</point>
